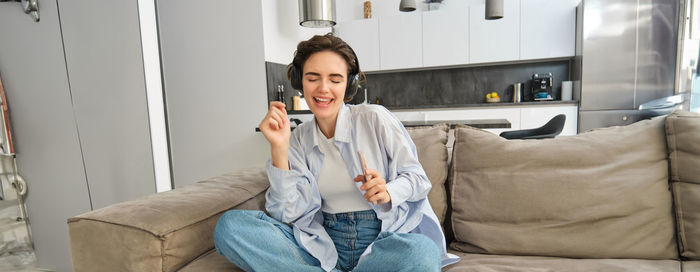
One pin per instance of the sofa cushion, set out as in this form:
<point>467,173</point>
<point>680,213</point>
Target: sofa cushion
<point>210,262</point>
<point>599,194</point>
<point>691,266</point>
<point>161,232</point>
<point>683,138</point>
<point>431,144</point>
<point>505,263</point>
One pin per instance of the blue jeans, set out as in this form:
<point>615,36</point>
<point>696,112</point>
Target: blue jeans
<point>256,242</point>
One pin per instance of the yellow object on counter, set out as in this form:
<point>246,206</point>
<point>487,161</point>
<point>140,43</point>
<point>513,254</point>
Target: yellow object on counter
<point>296,103</point>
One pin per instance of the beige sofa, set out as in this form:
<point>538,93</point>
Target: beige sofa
<point>613,199</point>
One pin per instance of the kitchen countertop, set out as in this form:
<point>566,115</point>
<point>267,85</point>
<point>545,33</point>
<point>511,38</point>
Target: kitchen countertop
<point>477,123</point>
<point>486,105</point>
<point>477,105</point>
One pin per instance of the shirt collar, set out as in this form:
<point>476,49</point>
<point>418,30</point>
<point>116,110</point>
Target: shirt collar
<point>343,125</point>
<point>343,129</point>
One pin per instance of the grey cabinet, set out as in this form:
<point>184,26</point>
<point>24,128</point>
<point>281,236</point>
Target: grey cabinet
<point>75,89</point>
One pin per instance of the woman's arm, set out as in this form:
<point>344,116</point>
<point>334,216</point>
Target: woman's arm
<point>289,195</point>
<point>411,182</point>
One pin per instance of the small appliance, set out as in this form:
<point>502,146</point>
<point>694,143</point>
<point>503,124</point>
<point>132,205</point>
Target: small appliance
<point>541,87</point>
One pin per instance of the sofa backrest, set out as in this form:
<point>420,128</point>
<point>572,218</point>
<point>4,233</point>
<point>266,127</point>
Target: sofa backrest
<point>599,194</point>
<point>683,138</point>
<point>431,146</point>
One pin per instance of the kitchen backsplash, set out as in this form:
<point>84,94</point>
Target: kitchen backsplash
<point>439,88</point>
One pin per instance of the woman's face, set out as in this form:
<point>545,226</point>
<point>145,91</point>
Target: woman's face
<point>324,80</point>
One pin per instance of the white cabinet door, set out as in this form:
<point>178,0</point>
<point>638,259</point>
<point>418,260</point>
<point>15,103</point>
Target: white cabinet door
<point>363,37</point>
<point>446,36</point>
<point>494,40</point>
<point>534,117</point>
<point>547,28</point>
<point>401,41</point>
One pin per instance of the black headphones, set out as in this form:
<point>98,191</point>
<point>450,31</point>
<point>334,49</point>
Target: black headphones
<point>353,76</point>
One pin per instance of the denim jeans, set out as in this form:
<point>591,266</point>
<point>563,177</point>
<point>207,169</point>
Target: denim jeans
<point>256,242</point>
<point>351,233</point>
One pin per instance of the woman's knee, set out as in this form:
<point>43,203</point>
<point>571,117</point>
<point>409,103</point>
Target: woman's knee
<point>429,253</point>
<point>233,222</point>
<point>419,249</point>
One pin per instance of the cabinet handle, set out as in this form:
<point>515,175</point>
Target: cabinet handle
<point>30,7</point>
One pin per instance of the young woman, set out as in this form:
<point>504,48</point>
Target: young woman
<point>327,211</point>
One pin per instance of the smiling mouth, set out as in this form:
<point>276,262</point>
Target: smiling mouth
<point>323,101</point>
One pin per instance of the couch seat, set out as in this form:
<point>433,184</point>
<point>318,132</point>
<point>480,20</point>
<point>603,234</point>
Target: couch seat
<point>210,261</point>
<point>691,266</point>
<point>504,263</point>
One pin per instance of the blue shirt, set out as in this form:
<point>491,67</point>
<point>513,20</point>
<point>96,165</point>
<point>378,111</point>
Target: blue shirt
<point>294,197</point>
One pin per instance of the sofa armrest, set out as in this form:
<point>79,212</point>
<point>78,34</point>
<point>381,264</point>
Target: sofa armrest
<point>164,231</point>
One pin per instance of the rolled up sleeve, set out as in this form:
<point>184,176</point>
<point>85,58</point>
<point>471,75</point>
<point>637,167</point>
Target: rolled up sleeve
<point>290,193</point>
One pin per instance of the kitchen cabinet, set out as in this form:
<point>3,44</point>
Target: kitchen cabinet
<point>363,37</point>
<point>494,40</point>
<point>401,41</point>
<point>534,117</point>
<point>547,28</point>
<point>459,34</point>
<point>446,36</point>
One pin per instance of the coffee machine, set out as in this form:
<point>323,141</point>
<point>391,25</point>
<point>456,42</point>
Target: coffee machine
<point>541,87</point>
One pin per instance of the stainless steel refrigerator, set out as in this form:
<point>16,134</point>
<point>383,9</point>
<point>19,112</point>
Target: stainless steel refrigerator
<point>625,56</point>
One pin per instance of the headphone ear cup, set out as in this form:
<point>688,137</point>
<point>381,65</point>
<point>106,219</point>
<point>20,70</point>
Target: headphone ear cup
<point>353,85</point>
<point>295,77</point>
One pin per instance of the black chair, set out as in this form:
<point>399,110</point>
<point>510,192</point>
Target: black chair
<point>549,130</point>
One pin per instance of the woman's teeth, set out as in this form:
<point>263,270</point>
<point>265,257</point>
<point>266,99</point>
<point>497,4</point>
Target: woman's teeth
<point>322,100</point>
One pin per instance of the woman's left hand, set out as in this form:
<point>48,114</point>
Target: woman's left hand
<point>375,187</point>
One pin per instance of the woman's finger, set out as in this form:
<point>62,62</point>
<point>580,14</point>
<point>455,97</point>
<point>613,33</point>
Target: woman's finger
<point>372,191</point>
<point>369,184</point>
<point>281,108</point>
<point>372,172</point>
<point>273,124</point>
<point>380,198</point>
<point>359,178</point>
<point>278,117</point>
<point>277,104</point>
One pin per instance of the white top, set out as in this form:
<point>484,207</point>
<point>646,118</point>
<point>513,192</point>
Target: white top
<point>339,193</point>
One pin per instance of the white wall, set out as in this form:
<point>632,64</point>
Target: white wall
<point>281,29</point>
<point>215,89</point>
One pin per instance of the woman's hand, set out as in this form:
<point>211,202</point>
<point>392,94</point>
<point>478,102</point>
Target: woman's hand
<point>375,187</point>
<point>275,127</point>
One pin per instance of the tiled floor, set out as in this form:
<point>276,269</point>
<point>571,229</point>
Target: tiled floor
<point>16,252</point>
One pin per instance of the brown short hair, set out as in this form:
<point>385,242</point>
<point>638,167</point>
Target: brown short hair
<point>327,42</point>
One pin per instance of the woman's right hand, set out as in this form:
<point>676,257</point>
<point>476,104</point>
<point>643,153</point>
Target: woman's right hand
<point>275,125</point>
